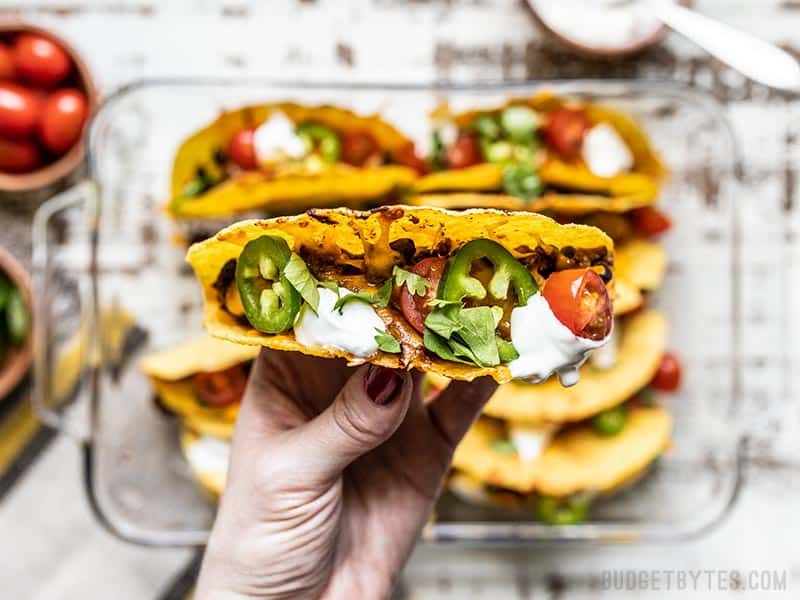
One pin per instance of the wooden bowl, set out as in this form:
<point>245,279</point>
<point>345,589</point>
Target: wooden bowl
<point>81,79</point>
<point>604,52</point>
<point>16,362</point>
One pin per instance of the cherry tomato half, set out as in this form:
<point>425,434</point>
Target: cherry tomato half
<point>221,388</point>
<point>6,63</point>
<point>649,221</point>
<point>18,156</point>
<point>465,151</point>
<point>408,157</point>
<point>668,375</point>
<point>19,110</point>
<point>40,61</point>
<point>358,147</point>
<point>579,299</point>
<point>63,115</point>
<point>242,149</point>
<point>564,131</point>
<point>415,308</point>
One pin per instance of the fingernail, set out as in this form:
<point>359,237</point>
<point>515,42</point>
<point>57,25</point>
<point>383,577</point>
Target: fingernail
<point>382,384</point>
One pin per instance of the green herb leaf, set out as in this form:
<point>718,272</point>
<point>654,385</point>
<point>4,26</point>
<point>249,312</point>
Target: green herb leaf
<point>522,181</point>
<point>443,320</point>
<point>440,347</point>
<point>297,273</point>
<point>477,330</point>
<point>379,298</point>
<point>330,285</point>
<point>417,284</point>
<point>387,342</point>
<point>441,302</point>
<point>504,446</point>
<point>506,350</point>
<point>438,154</point>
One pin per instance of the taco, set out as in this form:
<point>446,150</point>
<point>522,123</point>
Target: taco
<point>284,158</point>
<point>612,374</point>
<point>559,154</point>
<point>207,457</point>
<point>201,382</point>
<point>579,459</point>
<point>455,293</point>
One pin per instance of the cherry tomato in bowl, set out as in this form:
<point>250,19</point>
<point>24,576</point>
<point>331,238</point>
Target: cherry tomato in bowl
<point>579,299</point>
<point>40,61</point>
<point>565,129</point>
<point>242,149</point>
<point>221,388</point>
<point>415,308</point>
<point>20,109</point>
<point>668,375</point>
<point>63,115</point>
<point>18,156</point>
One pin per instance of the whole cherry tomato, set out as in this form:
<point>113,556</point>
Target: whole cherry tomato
<point>63,115</point>
<point>650,221</point>
<point>579,299</point>
<point>408,157</point>
<point>19,110</point>
<point>40,61</point>
<point>415,308</point>
<point>358,147</point>
<point>668,375</point>
<point>6,63</point>
<point>564,131</point>
<point>465,151</point>
<point>221,388</point>
<point>242,149</point>
<point>18,156</point>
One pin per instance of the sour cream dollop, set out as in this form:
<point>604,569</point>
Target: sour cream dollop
<point>351,331</point>
<point>275,139</point>
<point>545,345</point>
<point>605,152</point>
<point>530,439</point>
<point>209,454</point>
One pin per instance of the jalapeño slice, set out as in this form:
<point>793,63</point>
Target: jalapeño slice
<point>270,302</point>
<point>458,284</point>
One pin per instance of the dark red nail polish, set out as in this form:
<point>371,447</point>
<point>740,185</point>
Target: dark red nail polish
<point>382,384</point>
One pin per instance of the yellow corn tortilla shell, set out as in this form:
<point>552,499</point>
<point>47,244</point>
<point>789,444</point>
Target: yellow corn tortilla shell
<point>642,344</point>
<point>575,460</point>
<point>627,297</point>
<point>364,240</point>
<point>582,190</point>
<point>291,192</point>
<point>179,398</point>
<point>194,356</point>
<point>211,480</point>
<point>641,262</point>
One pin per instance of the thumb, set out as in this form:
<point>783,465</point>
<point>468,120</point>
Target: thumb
<point>365,413</point>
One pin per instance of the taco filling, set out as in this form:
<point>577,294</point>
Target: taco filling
<point>475,305</point>
<point>541,147</point>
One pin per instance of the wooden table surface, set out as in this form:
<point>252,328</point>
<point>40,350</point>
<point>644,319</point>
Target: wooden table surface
<point>51,549</point>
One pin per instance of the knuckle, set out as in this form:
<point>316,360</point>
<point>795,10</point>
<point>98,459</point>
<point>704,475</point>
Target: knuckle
<point>355,424</point>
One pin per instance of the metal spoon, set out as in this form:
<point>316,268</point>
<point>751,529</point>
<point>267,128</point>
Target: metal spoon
<point>759,60</point>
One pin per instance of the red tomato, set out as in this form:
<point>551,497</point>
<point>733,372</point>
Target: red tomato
<point>6,63</point>
<point>564,131</point>
<point>221,388</point>
<point>18,156</point>
<point>242,149</point>
<point>668,375</point>
<point>63,115</point>
<point>465,151</point>
<point>358,147</point>
<point>415,308</point>
<point>408,157</point>
<point>579,299</point>
<point>649,221</point>
<point>19,110</point>
<point>40,61</point>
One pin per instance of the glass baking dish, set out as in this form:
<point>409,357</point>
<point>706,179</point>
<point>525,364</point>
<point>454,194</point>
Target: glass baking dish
<point>106,257</point>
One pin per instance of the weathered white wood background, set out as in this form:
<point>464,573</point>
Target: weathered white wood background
<point>49,546</point>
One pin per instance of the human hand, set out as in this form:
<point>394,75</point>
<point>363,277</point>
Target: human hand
<point>333,474</point>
